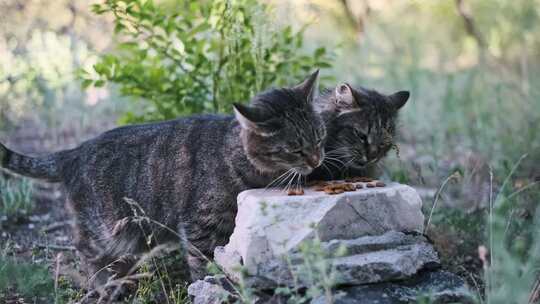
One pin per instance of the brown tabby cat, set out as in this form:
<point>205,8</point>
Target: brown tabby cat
<point>361,127</point>
<point>184,174</point>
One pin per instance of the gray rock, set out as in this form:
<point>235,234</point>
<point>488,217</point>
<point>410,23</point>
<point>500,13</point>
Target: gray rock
<point>389,240</point>
<point>231,264</point>
<point>211,290</point>
<point>270,224</point>
<point>364,242</point>
<point>216,289</point>
<point>229,261</point>
<point>401,262</point>
<point>439,287</point>
<point>369,259</point>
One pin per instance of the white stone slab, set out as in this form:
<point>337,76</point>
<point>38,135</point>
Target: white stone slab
<point>270,223</point>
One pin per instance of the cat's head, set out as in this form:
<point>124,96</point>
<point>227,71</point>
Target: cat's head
<point>363,126</point>
<point>282,131</point>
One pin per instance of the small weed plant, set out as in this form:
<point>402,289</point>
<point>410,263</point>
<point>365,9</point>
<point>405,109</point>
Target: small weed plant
<point>15,198</point>
<point>29,280</point>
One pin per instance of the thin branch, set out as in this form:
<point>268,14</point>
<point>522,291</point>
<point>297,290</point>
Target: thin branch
<point>470,24</point>
<point>357,22</point>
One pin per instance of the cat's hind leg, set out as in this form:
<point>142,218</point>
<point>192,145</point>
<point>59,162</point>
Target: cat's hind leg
<point>106,254</point>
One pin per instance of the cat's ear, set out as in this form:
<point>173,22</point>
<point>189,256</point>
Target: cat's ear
<point>310,87</point>
<point>344,97</point>
<point>399,99</point>
<point>254,119</point>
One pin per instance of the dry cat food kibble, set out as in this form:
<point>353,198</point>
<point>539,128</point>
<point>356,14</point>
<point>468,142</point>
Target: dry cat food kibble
<point>333,191</point>
<point>359,179</point>
<point>298,191</point>
<point>337,188</point>
<point>318,185</point>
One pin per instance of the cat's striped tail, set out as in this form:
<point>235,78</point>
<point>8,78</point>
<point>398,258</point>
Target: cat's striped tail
<point>43,167</point>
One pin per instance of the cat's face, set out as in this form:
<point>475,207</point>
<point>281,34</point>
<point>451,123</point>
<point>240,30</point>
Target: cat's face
<point>363,130</point>
<point>281,130</point>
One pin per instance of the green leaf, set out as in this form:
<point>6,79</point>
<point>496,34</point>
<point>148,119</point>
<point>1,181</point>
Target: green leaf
<point>118,27</point>
<point>99,83</point>
<point>320,52</point>
<point>86,83</point>
<point>98,9</point>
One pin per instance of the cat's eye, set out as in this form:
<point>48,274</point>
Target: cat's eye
<point>359,134</point>
<point>295,151</point>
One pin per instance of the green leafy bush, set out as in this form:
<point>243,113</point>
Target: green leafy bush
<point>198,56</point>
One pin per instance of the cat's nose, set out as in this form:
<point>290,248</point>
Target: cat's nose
<point>314,160</point>
<point>372,151</point>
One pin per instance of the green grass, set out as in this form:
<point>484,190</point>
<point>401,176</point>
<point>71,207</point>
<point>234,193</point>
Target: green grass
<point>29,280</point>
<point>15,198</point>
<point>506,230</point>
<point>513,244</point>
<point>160,286</point>
<point>32,281</point>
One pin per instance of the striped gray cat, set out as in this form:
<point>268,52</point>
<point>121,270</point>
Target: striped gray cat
<point>184,174</point>
<point>361,127</point>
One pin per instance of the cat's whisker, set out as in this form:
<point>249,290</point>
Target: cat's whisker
<point>324,166</point>
<point>331,163</point>
<point>346,166</point>
<point>340,148</point>
<point>283,180</point>
<point>291,181</point>
<point>333,156</point>
<point>334,159</point>
<point>293,178</point>
<point>337,152</point>
<point>350,161</point>
<point>279,178</point>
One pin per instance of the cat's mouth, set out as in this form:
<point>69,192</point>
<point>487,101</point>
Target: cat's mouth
<point>359,165</point>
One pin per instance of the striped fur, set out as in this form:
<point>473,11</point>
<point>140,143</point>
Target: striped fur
<point>45,167</point>
<point>184,174</point>
<point>361,127</point>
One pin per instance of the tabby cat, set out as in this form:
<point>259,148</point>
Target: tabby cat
<point>361,127</point>
<point>184,174</point>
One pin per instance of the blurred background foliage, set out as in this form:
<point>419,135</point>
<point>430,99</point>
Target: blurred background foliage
<point>471,65</point>
<point>42,45</point>
<point>185,57</point>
